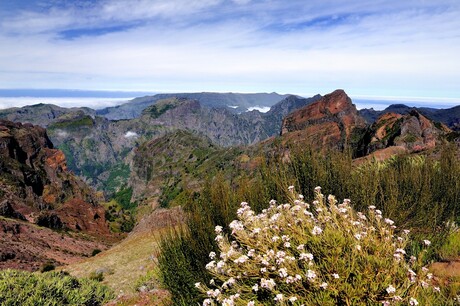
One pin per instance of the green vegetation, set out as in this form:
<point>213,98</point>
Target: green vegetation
<point>120,219</point>
<point>118,176</point>
<point>323,253</point>
<point>84,121</point>
<point>161,107</point>
<point>53,288</point>
<point>418,193</point>
<point>123,197</point>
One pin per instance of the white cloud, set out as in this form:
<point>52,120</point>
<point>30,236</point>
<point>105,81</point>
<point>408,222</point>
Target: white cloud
<point>387,48</point>
<point>131,134</point>
<point>262,109</point>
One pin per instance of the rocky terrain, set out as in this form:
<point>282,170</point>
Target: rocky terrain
<point>330,122</point>
<point>450,116</point>
<point>36,191</point>
<point>413,132</point>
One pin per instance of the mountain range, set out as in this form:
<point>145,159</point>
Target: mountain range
<point>156,149</point>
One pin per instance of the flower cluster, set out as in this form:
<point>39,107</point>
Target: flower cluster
<point>319,254</point>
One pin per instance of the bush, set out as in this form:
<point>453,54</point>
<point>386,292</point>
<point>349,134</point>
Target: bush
<point>319,254</point>
<point>47,266</point>
<point>97,276</point>
<point>53,288</point>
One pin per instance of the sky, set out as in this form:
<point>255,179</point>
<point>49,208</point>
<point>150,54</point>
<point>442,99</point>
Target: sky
<point>373,49</point>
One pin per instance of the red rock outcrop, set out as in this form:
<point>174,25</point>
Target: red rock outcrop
<point>35,186</point>
<point>326,123</point>
<point>413,132</point>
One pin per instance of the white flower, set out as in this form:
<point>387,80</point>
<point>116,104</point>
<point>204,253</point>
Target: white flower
<point>267,283</point>
<point>207,302</point>
<point>306,256</point>
<point>255,287</point>
<point>287,244</point>
<point>335,275</point>
<point>213,293</point>
<point>413,302</point>
<point>311,274</point>
<point>212,255</point>
<point>210,265</point>
<point>241,259</point>
<point>316,230</point>
<point>426,242</point>
<point>251,303</point>
<point>437,289</point>
<point>283,272</point>
<point>389,221</point>
<point>279,297</point>
<point>291,188</point>
<point>371,207</point>
<point>292,299</point>
<point>318,189</point>
<point>218,229</point>
<point>390,289</point>
<point>358,236</point>
<point>323,285</point>
<point>378,211</point>
<point>401,251</point>
<point>197,285</point>
<point>300,247</point>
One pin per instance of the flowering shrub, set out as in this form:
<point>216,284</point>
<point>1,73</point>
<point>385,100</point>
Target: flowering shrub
<point>320,254</point>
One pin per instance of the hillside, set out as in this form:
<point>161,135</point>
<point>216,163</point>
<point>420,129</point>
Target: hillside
<point>41,114</point>
<point>37,190</point>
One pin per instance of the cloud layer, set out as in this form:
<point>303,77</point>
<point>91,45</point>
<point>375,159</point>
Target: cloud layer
<point>381,48</point>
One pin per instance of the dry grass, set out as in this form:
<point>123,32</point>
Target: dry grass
<point>123,264</point>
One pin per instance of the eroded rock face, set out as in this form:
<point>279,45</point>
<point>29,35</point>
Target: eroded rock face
<point>326,123</point>
<point>34,180</point>
<point>413,131</point>
<point>36,187</point>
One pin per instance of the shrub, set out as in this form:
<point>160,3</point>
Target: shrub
<point>97,276</point>
<point>95,252</point>
<point>47,266</point>
<point>319,254</point>
<point>53,288</point>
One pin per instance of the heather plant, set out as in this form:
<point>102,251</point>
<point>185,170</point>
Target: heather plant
<point>325,253</point>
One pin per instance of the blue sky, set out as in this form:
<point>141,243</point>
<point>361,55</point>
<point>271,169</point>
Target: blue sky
<point>377,49</point>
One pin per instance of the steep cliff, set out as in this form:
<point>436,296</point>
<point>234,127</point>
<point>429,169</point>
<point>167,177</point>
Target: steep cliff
<point>36,186</point>
<point>330,122</point>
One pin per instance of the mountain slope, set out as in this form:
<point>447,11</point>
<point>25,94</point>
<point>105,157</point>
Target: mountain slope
<point>449,116</point>
<point>234,102</point>
<point>41,114</point>
<point>36,190</point>
<point>329,122</point>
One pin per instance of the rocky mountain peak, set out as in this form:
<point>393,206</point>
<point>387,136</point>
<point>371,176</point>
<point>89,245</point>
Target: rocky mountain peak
<point>327,122</point>
<point>413,132</point>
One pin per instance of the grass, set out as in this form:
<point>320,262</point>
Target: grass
<point>124,263</point>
